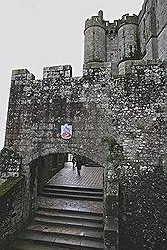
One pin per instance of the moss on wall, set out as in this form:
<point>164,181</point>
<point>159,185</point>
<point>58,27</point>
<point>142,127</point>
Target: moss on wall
<point>8,185</point>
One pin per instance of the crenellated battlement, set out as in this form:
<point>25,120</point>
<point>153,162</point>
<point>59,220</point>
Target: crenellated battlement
<point>57,71</point>
<point>96,21</point>
<point>23,74</point>
<point>127,19</point>
<point>99,21</point>
<point>110,42</point>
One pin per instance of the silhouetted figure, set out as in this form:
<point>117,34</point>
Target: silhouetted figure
<point>78,165</point>
<point>74,161</point>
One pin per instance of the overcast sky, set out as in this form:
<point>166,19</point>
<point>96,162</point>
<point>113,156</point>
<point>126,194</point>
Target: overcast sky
<point>39,33</point>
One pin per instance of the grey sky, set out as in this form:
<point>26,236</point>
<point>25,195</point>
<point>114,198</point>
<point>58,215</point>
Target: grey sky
<point>38,33</point>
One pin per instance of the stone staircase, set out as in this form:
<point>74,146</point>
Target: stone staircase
<point>68,192</point>
<point>68,218</point>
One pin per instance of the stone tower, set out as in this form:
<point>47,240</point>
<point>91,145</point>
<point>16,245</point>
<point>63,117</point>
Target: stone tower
<point>95,39</point>
<point>128,38</point>
<point>136,37</point>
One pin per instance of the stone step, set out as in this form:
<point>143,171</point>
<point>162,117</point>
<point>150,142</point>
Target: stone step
<point>71,196</point>
<point>65,230</point>
<point>27,245</point>
<point>65,190</point>
<point>68,222</point>
<point>51,239</point>
<point>75,188</point>
<point>68,214</point>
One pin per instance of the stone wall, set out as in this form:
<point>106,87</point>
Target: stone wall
<point>162,44</point>
<point>150,46</point>
<point>152,29</point>
<point>129,109</point>
<point>94,101</point>
<point>161,12</point>
<point>10,164</point>
<point>11,210</point>
<point>112,47</point>
<point>97,105</point>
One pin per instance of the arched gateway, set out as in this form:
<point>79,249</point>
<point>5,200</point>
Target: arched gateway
<point>113,116</point>
<point>116,122</point>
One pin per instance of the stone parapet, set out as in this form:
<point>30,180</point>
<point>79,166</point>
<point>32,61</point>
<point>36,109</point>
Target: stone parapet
<point>125,67</point>
<point>57,71</point>
<point>22,74</point>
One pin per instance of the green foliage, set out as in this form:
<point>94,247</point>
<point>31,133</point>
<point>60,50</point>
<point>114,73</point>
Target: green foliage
<point>8,185</point>
<point>132,135</point>
<point>116,157</point>
<point>116,151</point>
<point>110,141</point>
<point>140,126</point>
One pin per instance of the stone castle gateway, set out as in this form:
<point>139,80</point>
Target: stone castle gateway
<point>117,110</point>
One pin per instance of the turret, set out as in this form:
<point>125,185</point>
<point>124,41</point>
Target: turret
<point>95,39</point>
<point>128,47</point>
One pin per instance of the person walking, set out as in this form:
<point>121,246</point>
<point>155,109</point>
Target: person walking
<point>74,161</point>
<point>78,165</point>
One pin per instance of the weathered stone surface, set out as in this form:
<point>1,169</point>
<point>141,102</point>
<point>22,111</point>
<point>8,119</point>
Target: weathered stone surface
<point>10,164</point>
<point>11,210</point>
<point>118,120</point>
<point>128,110</point>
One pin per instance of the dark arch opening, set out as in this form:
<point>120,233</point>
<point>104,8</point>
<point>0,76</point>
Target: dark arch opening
<point>44,167</point>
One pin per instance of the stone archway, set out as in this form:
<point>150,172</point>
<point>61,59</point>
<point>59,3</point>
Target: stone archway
<point>44,167</point>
